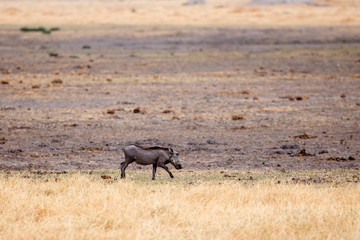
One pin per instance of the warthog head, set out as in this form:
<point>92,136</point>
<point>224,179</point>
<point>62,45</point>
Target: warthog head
<point>174,159</point>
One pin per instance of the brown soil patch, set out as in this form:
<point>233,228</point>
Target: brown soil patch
<point>64,106</point>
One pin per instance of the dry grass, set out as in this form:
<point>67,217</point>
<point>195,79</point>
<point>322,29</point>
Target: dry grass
<point>142,12</point>
<point>198,205</point>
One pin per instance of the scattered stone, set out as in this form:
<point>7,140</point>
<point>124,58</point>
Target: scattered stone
<point>256,98</point>
<point>323,151</point>
<point>298,98</point>
<point>305,136</point>
<point>105,177</point>
<point>57,81</point>
<point>338,159</point>
<point>211,142</point>
<point>237,117</point>
<point>175,118</point>
<point>35,86</point>
<point>15,151</point>
<point>290,146</point>
<point>7,108</point>
<point>109,80</point>
<point>343,96</point>
<point>2,140</point>
<point>86,47</point>
<point>139,110</point>
<point>86,148</point>
<point>127,103</point>
<point>110,111</point>
<point>280,152</point>
<point>167,111</point>
<point>245,92</point>
<point>78,67</point>
<point>4,82</point>
<point>238,128</point>
<point>303,153</point>
<point>290,152</point>
<point>198,118</point>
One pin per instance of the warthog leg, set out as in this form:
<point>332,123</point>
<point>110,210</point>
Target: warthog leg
<point>154,171</point>
<point>167,169</point>
<point>124,165</point>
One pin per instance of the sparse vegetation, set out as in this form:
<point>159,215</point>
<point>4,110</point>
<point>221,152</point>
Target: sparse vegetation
<point>52,54</point>
<point>39,29</point>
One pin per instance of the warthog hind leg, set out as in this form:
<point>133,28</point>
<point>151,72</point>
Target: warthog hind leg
<point>154,171</point>
<point>124,165</point>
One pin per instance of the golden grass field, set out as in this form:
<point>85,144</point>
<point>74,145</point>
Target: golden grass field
<point>196,205</point>
<point>160,12</point>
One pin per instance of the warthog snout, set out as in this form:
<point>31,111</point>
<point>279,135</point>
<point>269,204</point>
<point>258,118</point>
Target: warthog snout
<point>178,166</point>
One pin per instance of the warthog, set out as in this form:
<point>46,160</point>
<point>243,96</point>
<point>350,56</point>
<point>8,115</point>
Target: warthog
<point>155,155</point>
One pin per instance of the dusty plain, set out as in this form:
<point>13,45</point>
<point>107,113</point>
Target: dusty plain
<point>229,88</point>
<point>262,101</point>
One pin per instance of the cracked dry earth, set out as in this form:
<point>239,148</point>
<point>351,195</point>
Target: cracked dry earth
<point>235,98</point>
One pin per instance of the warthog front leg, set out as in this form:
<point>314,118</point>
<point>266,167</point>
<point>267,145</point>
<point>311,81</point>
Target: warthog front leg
<point>167,169</point>
<point>154,171</point>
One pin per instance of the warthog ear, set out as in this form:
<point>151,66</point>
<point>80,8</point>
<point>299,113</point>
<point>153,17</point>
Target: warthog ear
<point>171,151</point>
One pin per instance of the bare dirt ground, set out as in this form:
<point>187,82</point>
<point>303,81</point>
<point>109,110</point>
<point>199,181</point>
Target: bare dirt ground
<point>237,97</point>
